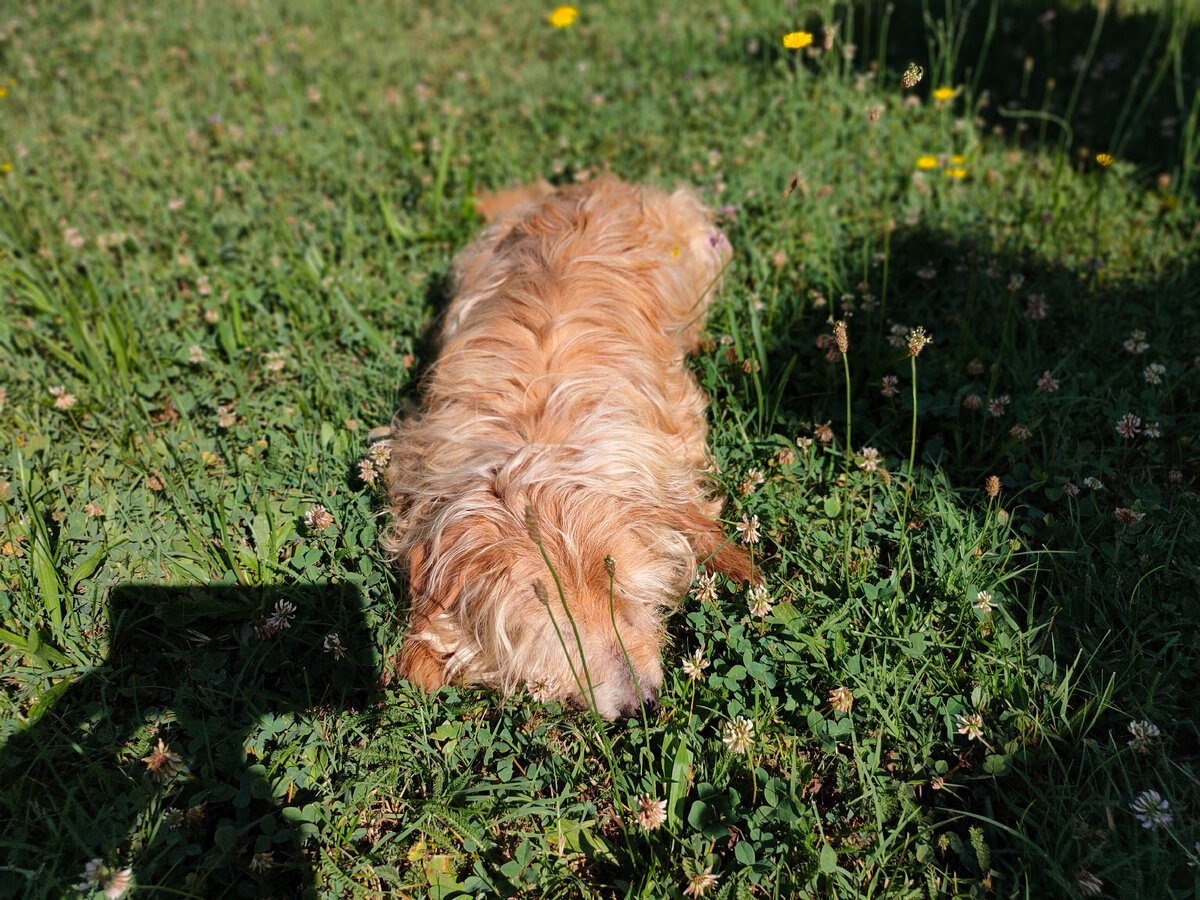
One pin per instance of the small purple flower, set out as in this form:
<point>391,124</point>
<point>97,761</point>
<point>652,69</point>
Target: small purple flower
<point>718,241</point>
<point>214,118</point>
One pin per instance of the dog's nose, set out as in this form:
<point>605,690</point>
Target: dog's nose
<point>647,706</point>
<point>650,706</point>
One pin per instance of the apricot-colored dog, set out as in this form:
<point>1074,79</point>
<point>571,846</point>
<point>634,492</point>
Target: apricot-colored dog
<point>560,424</point>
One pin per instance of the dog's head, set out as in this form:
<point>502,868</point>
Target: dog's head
<point>564,591</point>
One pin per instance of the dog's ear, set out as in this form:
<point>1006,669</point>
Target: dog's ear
<point>419,662</point>
<point>717,552</point>
<point>506,202</point>
<point>421,665</point>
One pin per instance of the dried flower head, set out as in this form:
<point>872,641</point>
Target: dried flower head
<point>333,644</point>
<point>912,76</point>
<point>991,484</point>
<point>917,341</point>
<point>888,386</point>
<point>701,883</point>
<point>1127,516</point>
<point>162,764</point>
<point>1089,885</point>
<point>840,336</point>
<point>841,699</point>
<point>318,518</point>
<point>531,525</point>
<point>1144,734</point>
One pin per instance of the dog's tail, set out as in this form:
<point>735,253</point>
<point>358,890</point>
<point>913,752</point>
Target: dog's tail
<point>498,204</point>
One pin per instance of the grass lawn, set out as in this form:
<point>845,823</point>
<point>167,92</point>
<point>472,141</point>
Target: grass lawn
<point>225,233</point>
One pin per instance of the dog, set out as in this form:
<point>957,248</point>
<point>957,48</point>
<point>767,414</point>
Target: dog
<point>550,501</point>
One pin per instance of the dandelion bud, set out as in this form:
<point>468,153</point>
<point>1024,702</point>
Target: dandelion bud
<point>839,335</point>
<point>992,485</point>
<point>539,590</point>
<point>917,339</point>
<point>531,526</point>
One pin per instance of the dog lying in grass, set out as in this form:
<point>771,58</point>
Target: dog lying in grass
<point>550,501</point>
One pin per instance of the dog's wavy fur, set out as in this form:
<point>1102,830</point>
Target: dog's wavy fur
<point>559,399</point>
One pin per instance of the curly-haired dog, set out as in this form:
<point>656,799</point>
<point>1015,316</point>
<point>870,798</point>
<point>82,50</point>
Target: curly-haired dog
<point>560,424</point>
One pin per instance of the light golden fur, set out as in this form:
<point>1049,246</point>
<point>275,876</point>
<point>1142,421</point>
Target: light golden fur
<point>560,389</point>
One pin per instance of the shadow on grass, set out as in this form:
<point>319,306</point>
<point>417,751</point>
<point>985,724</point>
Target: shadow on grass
<point>1115,603</point>
<point>1055,74</point>
<point>203,669</point>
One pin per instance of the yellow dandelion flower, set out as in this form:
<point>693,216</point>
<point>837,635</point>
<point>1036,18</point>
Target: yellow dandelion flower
<point>794,40</point>
<point>957,172</point>
<point>1105,159</point>
<point>3,91</point>
<point>957,159</point>
<point>927,162</point>
<point>6,167</point>
<point>943,94</point>
<point>674,251</point>
<point>563,16</point>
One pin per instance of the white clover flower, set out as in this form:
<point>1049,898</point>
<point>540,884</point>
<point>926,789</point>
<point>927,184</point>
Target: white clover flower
<point>971,725</point>
<point>739,734</point>
<point>1152,810</point>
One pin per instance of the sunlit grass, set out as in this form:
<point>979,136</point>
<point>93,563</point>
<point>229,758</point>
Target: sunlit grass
<point>224,235</point>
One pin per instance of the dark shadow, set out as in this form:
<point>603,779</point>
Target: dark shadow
<point>214,672</point>
<point>1115,595</point>
<point>1031,56</point>
<point>1031,65</point>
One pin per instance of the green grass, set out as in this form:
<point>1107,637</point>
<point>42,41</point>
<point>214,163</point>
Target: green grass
<point>225,233</point>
